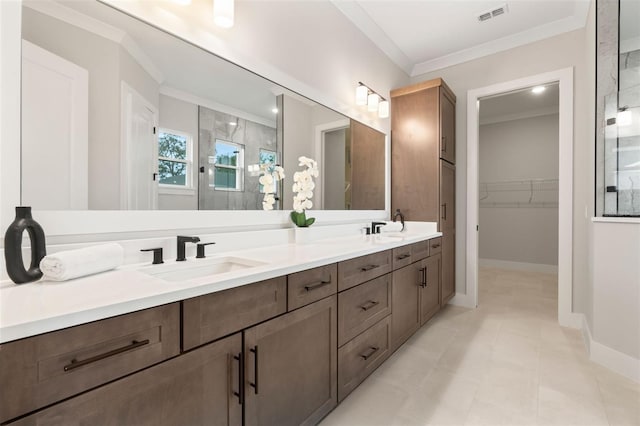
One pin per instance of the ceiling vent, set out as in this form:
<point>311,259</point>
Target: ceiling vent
<point>485,16</point>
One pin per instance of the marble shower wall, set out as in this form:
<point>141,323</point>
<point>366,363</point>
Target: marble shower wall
<point>253,136</point>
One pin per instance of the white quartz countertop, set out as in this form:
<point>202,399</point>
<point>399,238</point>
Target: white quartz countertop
<point>43,306</point>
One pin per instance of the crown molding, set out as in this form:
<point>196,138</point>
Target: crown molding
<point>361,19</point>
<point>99,28</point>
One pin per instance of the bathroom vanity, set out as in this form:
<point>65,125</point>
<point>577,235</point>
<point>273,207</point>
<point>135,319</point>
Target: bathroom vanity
<point>280,343</point>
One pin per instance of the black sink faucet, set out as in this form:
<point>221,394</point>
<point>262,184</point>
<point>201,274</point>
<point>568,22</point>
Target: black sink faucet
<point>182,241</point>
<point>375,227</point>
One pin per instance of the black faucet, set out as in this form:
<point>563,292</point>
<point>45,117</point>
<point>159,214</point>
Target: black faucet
<point>399,213</point>
<point>375,227</point>
<point>182,241</point>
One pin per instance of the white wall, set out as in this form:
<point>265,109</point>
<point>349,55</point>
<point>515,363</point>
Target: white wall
<point>616,287</point>
<point>566,50</point>
<point>519,150</point>
<point>176,114</point>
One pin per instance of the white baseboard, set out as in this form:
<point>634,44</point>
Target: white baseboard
<point>463,300</point>
<point>518,266</point>
<point>618,362</point>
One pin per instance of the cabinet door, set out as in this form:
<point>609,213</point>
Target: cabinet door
<point>447,128</point>
<point>367,162</point>
<point>448,288</point>
<point>291,367</point>
<point>405,304</point>
<point>414,155</point>
<point>430,290</point>
<point>196,388</point>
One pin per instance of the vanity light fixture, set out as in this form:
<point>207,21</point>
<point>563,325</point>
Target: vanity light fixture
<point>223,13</point>
<point>362,92</point>
<point>372,99</point>
<point>538,89</point>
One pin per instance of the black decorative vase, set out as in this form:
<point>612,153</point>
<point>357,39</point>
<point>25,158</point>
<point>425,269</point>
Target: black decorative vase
<point>13,247</point>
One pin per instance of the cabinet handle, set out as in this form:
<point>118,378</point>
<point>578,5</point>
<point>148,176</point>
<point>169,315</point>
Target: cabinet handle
<point>435,246</point>
<point>369,267</point>
<point>254,385</point>
<point>370,304</point>
<point>76,364</point>
<point>317,284</point>
<point>372,350</point>
<point>444,144</point>
<point>403,256</point>
<point>444,211</point>
<point>240,393</point>
<point>423,277</point>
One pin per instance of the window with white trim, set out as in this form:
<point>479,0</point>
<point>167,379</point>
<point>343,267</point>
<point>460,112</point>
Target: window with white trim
<point>228,166</point>
<point>175,159</point>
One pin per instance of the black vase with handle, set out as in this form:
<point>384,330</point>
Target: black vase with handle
<point>13,247</point>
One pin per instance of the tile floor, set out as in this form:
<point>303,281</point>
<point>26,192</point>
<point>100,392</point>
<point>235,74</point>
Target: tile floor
<point>506,363</point>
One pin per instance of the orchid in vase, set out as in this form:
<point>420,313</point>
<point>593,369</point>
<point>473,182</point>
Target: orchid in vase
<point>270,174</point>
<point>303,186</point>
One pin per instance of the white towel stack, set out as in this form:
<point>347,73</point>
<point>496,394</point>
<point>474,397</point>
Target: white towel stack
<point>391,227</point>
<point>70,264</point>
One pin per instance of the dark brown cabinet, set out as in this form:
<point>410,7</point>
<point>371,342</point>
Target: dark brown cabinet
<point>415,297</point>
<point>405,303</point>
<point>291,367</point>
<point>197,388</point>
<point>423,163</point>
<point>430,288</point>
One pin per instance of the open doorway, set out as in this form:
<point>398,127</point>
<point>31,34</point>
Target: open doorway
<point>564,78</point>
<point>518,174</point>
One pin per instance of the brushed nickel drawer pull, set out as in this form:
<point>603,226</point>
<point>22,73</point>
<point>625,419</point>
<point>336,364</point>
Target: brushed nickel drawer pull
<point>369,267</point>
<point>403,256</point>
<point>317,284</point>
<point>372,350</point>
<point>370,304</point>
<point>76,364</point>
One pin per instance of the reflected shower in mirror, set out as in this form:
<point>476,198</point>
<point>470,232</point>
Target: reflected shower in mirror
<point>118,114</point>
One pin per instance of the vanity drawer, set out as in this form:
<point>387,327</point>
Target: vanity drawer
<point>212,316</point>
<point>420,250</point>
<point>361,356</point>
<point>401,256</point>
<point>435,246</point>
<point>362,306</point>
<point>364,268</point>
<point>314,284</point>
<point>38,371</point>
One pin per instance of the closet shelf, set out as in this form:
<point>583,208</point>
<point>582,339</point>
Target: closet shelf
<point>526,193</point>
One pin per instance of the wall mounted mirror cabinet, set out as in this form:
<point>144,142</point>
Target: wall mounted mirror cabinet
<point>120,115</point>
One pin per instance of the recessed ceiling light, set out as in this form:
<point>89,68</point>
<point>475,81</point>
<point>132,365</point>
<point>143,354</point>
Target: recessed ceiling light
<point>274,110</point>
<point>538,89</point>
<point>233,123</point>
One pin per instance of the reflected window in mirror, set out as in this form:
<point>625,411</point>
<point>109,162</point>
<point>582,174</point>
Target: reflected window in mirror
<point>268,159</point>
<point>228,164</point>
<point>175,159</point>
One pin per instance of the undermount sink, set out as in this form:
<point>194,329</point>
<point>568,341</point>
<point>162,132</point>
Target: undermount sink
<point>386,238</point>
<point>199,268</point>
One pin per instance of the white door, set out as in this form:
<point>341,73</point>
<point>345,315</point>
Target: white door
<point>55,99</point>
<point>139,149</point>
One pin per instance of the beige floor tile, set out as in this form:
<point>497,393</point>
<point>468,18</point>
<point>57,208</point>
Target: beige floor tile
<point>485,414</point>
<point>559,408</point>
<point>621,399</point>
<point>511,387</point>
<point>516,349</point>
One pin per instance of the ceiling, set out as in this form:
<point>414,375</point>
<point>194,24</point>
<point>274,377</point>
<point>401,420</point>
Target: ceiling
<point>519,104</point>
<point>424,35</point>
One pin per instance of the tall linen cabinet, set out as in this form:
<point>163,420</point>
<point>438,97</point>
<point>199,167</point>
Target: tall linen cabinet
<point>423,161</point>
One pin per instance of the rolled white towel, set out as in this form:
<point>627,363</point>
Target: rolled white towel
<point>391,227</point>
<point>70,264</point>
